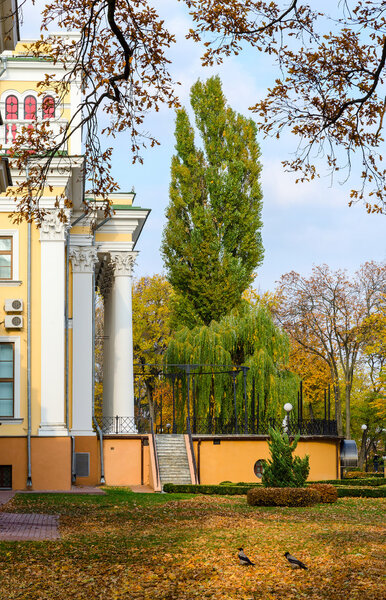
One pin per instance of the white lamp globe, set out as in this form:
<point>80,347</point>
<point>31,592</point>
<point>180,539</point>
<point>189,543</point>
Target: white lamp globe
<point>288,407</point>
<point>364,427</point>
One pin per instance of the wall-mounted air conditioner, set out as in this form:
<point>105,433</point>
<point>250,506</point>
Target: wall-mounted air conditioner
<point>13,305</point>
<point>13,322</point>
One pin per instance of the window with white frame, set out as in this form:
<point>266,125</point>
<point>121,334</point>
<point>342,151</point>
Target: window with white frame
<point>9,255</point>
<point>6,256</point>
<point>7,379</point>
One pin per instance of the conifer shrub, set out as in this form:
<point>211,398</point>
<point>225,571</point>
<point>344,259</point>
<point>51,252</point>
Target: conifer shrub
<point>284,470</point>
<point>328,493</point>
<point>283,496</point>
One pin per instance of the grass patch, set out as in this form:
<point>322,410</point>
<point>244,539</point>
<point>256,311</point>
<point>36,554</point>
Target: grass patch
<point>174,546</point>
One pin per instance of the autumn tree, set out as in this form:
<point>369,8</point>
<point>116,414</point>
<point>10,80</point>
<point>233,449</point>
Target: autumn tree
<point>329,87</point>
<point>212,241</point>
<point>246,336</point>
<point>119,59</point>
<point>151,330</point>
<point>324,314</point>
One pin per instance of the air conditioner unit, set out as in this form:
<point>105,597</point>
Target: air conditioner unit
<point>13,305</point>
<point>13,322</point>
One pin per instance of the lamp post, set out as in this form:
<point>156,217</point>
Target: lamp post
<point>364,442</point>
<point>287,407</point>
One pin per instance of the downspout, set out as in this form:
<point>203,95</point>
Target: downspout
<point>96,424</point>
<point>66,320</point>
<point>67,351</point>
<point>29,417</point>
<point>29,409</point>
<point>3,61</point>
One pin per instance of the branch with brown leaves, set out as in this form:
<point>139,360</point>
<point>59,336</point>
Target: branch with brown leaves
<point>120,62</point>
<point>330,87</point>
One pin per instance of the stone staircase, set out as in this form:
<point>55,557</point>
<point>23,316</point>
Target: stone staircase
<point>172,459</point>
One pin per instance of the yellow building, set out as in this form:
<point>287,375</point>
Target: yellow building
<point>48,277</point>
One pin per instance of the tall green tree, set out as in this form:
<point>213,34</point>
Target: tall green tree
<point>212,241</point>
<point>246,336</point>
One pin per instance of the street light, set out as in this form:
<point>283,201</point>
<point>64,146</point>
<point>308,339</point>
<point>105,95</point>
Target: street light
<point>364,429</point>
<point>287,407</point>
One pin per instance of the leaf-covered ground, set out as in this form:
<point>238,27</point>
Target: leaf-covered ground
<point>147,546</point>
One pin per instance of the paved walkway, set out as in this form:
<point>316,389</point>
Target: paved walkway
<point>21,527</point>
<point>141,489</point>
<point>5,496</point>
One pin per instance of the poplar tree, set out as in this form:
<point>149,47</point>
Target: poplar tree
<point>212,241</point>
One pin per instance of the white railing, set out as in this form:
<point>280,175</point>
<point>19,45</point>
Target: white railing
<point>12,128</point>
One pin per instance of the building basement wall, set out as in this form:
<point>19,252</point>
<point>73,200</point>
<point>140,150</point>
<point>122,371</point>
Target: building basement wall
<point>234,460</point>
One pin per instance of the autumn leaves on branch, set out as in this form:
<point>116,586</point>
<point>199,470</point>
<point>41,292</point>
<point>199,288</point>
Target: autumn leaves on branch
<point>328,91</point>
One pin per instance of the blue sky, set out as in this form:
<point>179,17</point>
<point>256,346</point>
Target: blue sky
<point>304,224</point>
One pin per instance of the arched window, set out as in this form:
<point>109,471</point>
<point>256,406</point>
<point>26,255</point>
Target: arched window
<point>11,112</point>
<point>48,106</point>
<point>11,108</point>
<point>30,107</point>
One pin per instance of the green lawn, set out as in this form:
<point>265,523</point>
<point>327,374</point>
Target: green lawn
<point>170,546</point>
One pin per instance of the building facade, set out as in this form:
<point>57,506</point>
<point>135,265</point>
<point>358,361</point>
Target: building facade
<point>49,276</point>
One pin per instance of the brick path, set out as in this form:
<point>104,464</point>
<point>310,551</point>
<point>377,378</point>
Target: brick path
<point>19,527</point>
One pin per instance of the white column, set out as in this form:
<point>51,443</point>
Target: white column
<point>83,260</point>
<point>107,380</point>
<point>52,247</point>
<point>121,335</point>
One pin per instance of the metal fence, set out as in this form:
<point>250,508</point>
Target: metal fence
<point>137,425</point>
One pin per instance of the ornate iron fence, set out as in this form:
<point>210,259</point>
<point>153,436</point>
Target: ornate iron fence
<point>132,425</point>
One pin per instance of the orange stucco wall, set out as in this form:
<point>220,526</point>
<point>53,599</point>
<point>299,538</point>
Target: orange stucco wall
<point>233,460</point>
<point>13,451</point>
<point>51,463</point>
<point>122,459</point>
<point>89,444</point>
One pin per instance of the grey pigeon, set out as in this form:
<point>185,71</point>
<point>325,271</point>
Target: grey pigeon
<point>294,562</point>
<point>243,558</point>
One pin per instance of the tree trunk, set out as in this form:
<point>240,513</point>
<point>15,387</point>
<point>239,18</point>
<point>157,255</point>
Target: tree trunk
<point>338,408</point>
<point>362,451</point>
<point>149,394</point>
<point>348,410</point>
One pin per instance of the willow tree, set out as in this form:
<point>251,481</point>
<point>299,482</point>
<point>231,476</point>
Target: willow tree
<point>212,242</point>
<point>246,336</point>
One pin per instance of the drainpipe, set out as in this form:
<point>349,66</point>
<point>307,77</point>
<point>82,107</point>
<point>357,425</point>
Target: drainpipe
<point>29,466</point>
<point>3,62</point>
<point>96,424</point>
<point>66,320</point>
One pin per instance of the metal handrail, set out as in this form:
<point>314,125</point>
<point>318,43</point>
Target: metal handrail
<point>155,452</point>
<point>192,451</point>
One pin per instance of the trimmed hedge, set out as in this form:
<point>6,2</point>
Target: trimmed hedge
<point>285,496</point>
<point>356,492</point>
<point>362,474</point>
<point>220,490</point>
<point>328,493</point>
<point>353,482</point>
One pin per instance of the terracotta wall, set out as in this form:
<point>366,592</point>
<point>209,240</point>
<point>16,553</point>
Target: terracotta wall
<point>233,460</point>
<point>122,458</point>
<point>13,451</point>
<point>51,463</point>
<point>89,444</point>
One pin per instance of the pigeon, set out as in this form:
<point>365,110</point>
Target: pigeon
<point>243,558</point>
<point>294,562</point>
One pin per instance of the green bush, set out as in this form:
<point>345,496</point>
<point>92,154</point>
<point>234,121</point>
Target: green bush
<point>352,482</point>
<point>221,490</point>
<point>361,474</point>
<point>356,492</point>
<point>284,470</point>
<point>328,493</point>
<point>281,496</point>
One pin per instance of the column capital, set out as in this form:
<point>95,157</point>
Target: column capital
<point>53,228</point>
<point>83,258</point>
<point>123,263</point>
